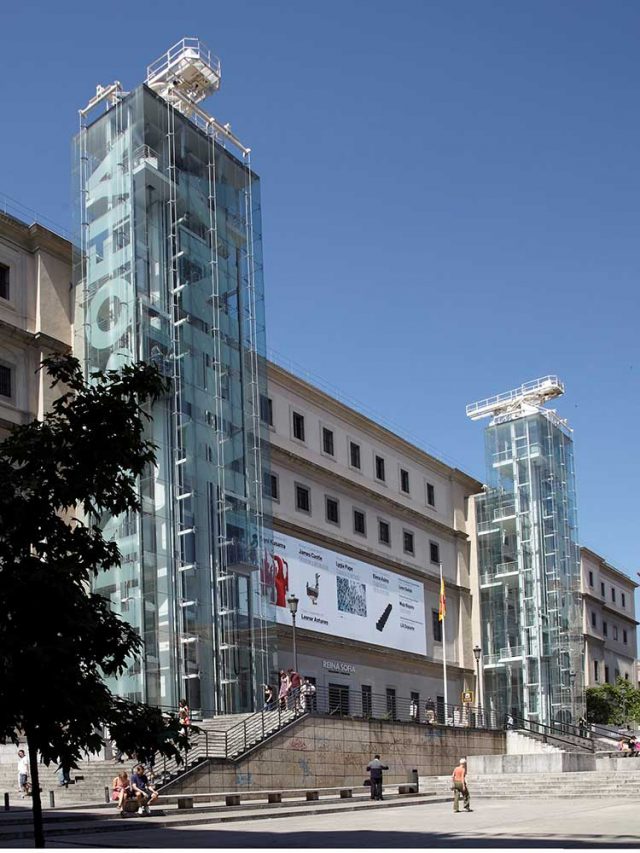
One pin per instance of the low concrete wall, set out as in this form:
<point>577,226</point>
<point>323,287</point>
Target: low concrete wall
<point>618,762</point>
<point>324,752</point>
<point>561,762</point>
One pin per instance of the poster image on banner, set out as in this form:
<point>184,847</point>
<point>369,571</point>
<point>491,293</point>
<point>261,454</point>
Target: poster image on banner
<point>345,597</point>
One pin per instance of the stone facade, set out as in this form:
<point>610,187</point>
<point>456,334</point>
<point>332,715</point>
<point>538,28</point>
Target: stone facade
<point>325,752</point>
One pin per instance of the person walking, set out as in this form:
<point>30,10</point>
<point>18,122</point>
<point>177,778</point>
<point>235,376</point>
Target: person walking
<point>23,773</point>
<point>375,769</point>
<point>459,785</point>
<point>284,690</point>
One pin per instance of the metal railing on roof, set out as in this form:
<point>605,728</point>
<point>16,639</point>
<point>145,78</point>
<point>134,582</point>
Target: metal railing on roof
<point>27,216</point>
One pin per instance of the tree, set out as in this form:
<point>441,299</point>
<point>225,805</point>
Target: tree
<point>58,640</point>
<point>613,704</point>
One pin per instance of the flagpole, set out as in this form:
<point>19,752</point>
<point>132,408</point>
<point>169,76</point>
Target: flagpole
<point>444,649</point>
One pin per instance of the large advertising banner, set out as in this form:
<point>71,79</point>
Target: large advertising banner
<point>346,597</point>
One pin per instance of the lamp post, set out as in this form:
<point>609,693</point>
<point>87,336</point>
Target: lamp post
<point>477,652</point>
<point>572,681</point>
<point>292,603</point>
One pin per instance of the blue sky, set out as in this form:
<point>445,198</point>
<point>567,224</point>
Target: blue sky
<point>450,196</point>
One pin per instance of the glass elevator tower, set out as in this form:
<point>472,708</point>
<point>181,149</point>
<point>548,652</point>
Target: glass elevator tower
<point>528,558</point>
<point>170,271</point>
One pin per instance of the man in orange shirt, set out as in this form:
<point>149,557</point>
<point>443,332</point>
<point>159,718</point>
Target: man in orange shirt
<point>459,780</point>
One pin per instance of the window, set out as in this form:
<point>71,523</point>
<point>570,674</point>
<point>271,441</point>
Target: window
<point>266,409</point>
<point>602,588</point>
<point>367,701</point>
<point>594,621</point>
<point>596,671</point>
<point>391,703</point>
<point>333,510</point>
<point>590,578</point>
<point>404,481</point>
<point>613,595</point>
<point>271,486</point>
<point>298,426</point>
<point>384,534</point>
<point>434,552</point>
<point>359,522</point>
<point>605,629</point>
<point>615,632</point>
<point>624,599</point>
<point>431,494</point>
<point>5,381</point>
<point>327,440</point>
<point>303,499</point>
<point>616,675</point>
<point>414,707</point>
<point>407,542</point>
<point>437,627</point>
<point>626,676</point>
<point>380,468</point>
<point>606,673</point>
<point>4,281</point>
<point>354,454</point>
<point>624,636</point>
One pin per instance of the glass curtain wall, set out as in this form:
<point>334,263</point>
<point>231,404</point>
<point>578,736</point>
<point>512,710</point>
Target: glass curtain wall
<point>170,271</point>
<point>530,571</point>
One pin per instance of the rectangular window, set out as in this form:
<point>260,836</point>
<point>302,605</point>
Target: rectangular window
<point>266,409</point>
<point>414,707</point>
<point>431,494</point>
<point>605,629</point>
<point>4,281</point>
<point>624,599</point>
<point>606,673</point>
<point>590,578</point>
<point>404,481</point>
<point>298,426</point>
<point>407,542</point>
<point>367,702</point>
<point>624,636</point>
<point>271,486</point>
<point>327,441</point>
<point>359,522</point>
<point>5,381</point>
<point>613,595</point>
<point>380,468</point>
<point>354,454</point>
<point>602,588</point>
<point>437,627</point>
<point>333,510</point>
<point>614,628</point>
<point>303,499</point>
<point>596,671</point>
<point>384,534</point>
<point>391,703</point>
<point>594,621</point>
<point>434,552</point>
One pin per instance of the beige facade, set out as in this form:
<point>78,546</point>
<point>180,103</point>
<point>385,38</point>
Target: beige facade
<point>609,621</point>
<point>412,512</point>
<point>35,316</point>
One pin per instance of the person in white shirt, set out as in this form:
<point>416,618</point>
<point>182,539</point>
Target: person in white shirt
<point>23,772</point>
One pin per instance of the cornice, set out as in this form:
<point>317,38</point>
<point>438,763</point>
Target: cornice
<point>418,518</point>
<point>32,339</point>
<point>609,568</point>
<point>35,237</point>
<point>384,435</point>
<point>318,538</point>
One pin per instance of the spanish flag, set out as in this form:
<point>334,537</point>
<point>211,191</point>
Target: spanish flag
<point>442,610</point>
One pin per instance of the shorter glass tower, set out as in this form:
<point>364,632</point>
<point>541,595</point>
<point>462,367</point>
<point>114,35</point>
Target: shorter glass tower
<point>528,558</point>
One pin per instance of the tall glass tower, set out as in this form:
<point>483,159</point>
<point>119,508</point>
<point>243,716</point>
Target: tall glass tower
<point>169,271</point>
<point>528,558</point>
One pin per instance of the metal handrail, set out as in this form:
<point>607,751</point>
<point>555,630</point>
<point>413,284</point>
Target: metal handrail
<point>560,732</point>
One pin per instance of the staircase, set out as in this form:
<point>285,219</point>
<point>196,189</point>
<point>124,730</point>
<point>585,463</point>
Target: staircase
<point>92,778</point>
<point>543,785</point>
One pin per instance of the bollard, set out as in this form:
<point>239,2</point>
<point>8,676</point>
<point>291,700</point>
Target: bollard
<point>6,802</point>
<point>107,797</point>
<point>52,800</point>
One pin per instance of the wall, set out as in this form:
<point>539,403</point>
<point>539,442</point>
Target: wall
<point>327,752</point>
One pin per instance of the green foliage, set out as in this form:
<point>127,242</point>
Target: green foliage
<point>613,704</point>
<point>58,640</point>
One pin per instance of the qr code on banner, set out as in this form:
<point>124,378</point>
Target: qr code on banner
<point>352,596</point>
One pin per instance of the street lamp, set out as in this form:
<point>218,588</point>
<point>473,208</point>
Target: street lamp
<point>477,653</point>
<point>292,603</point>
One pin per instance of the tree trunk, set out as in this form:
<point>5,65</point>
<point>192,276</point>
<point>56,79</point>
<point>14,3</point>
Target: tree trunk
<point>38,829</point>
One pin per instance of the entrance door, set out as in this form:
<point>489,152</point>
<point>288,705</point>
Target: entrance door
<point>339,700</point>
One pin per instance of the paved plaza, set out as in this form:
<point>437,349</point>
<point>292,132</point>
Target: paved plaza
<point>494,823</point>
